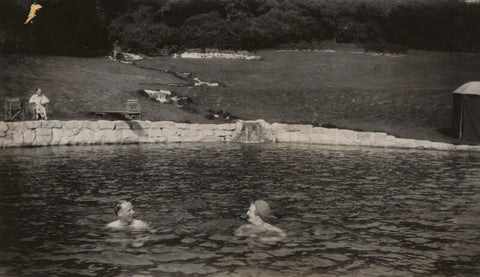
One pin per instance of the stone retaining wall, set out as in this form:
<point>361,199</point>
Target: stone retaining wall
<point>234,56</point>
<point>55,132</point>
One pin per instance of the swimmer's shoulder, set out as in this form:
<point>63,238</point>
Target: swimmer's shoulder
<point>139,225</point>
<point>114,225</point>
<point>270,228</point>
<point>244,230</point>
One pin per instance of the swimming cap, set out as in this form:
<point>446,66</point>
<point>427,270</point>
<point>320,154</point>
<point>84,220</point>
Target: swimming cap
<point>262,209</point>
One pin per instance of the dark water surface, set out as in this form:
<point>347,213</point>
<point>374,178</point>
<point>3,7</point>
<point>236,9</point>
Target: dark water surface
<point>347,211</point>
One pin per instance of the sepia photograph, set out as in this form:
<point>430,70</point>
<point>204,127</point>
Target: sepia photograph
<point>240,138</point>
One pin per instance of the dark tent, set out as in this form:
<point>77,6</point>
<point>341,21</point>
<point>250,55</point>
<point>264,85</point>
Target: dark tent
<point>466,112</point>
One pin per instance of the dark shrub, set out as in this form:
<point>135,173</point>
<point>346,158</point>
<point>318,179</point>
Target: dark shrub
<point>385,47</point>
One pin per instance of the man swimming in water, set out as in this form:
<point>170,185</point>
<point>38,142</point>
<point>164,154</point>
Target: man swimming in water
<point>257,213</point>
<point>124,211</point>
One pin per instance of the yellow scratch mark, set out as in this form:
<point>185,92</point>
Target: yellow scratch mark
<point>33,12</point>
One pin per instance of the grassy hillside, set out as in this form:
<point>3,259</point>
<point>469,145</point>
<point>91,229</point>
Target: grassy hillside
<point>406,96</point>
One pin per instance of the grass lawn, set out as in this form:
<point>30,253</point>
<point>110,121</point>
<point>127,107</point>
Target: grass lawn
<point>407,96</point>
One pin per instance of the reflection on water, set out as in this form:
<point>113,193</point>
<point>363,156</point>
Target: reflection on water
<point>347,211</point>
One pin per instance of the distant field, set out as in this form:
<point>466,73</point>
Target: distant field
<point>406,96</point>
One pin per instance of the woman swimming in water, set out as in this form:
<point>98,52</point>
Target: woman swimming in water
<point>257,213</point>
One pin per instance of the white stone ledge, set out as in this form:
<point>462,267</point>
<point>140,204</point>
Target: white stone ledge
<point>77,132</point>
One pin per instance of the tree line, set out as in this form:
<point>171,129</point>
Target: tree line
<point>160,27</point>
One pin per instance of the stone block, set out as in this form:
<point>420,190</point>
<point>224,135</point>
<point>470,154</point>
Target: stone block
<point>17,126</point>
<point>348,136</point>
<point>121,125</point>
<point>3,126</point>
<point>476,148</point>
<point>139,124</point>
<point>269,135</point>
<point>51,124</point>
<point>92,125</point>
<point>183,126</point>
<point>378,136</point>
<point>378,139</point>
<point>283,137</point>
<point>43,132</point>
<point>390,141</point>
<point>163,124</point>
<point>462,147</point>
<point>84,137</point>
<point>300,137</point>
<point>264,124</point>
<point>29,137</point>
<point>224,133</point>
<point>73,125</point>
<point>142,132</point>
<point>211,127</point>
<point>65,138</point>
<point>111,136</point>
<point>327,136</point>
<point>33,124</point>
<point>188,139</point>
<point>68,136</point>
<point>318,130</point>
<point>238,125</point>
<point>146,140</point>
<point>56,136</point>
<point>129,136</point>
<point>299,128</point>
<point>6,142</point>
<point>160,139</point>
<point>365,138</point>
<point>155,132</point>
<point>227,126</point>
<point>405,143</point>
<point>98,137</point>
<point>277,126</point>
<point>173,138</point>
<point>195,126</point>
<point>442,146</point>
<point>424,144</point>
<point>105,125</point>
<point>317,138</point>
<point>16,137</point>
<point>212,138</point>
<point>43,140</point>
<point>342,140</point>
<point>169,132</point>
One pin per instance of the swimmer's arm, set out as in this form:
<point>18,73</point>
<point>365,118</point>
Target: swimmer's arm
<point>278,235</point>
<point>138,224</point>
<point>280,232</point>
<point>241,231</point>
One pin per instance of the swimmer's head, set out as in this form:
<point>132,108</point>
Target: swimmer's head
<point>124,210</point>
<point>260,208</point>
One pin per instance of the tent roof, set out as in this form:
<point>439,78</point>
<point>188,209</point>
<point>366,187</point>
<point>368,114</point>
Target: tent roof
<point>469,88</point>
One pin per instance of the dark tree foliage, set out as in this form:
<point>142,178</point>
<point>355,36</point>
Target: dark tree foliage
<point>159,27</point>
<point>61,27</point>
<point>441,25</point>
<point>175,13</point>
